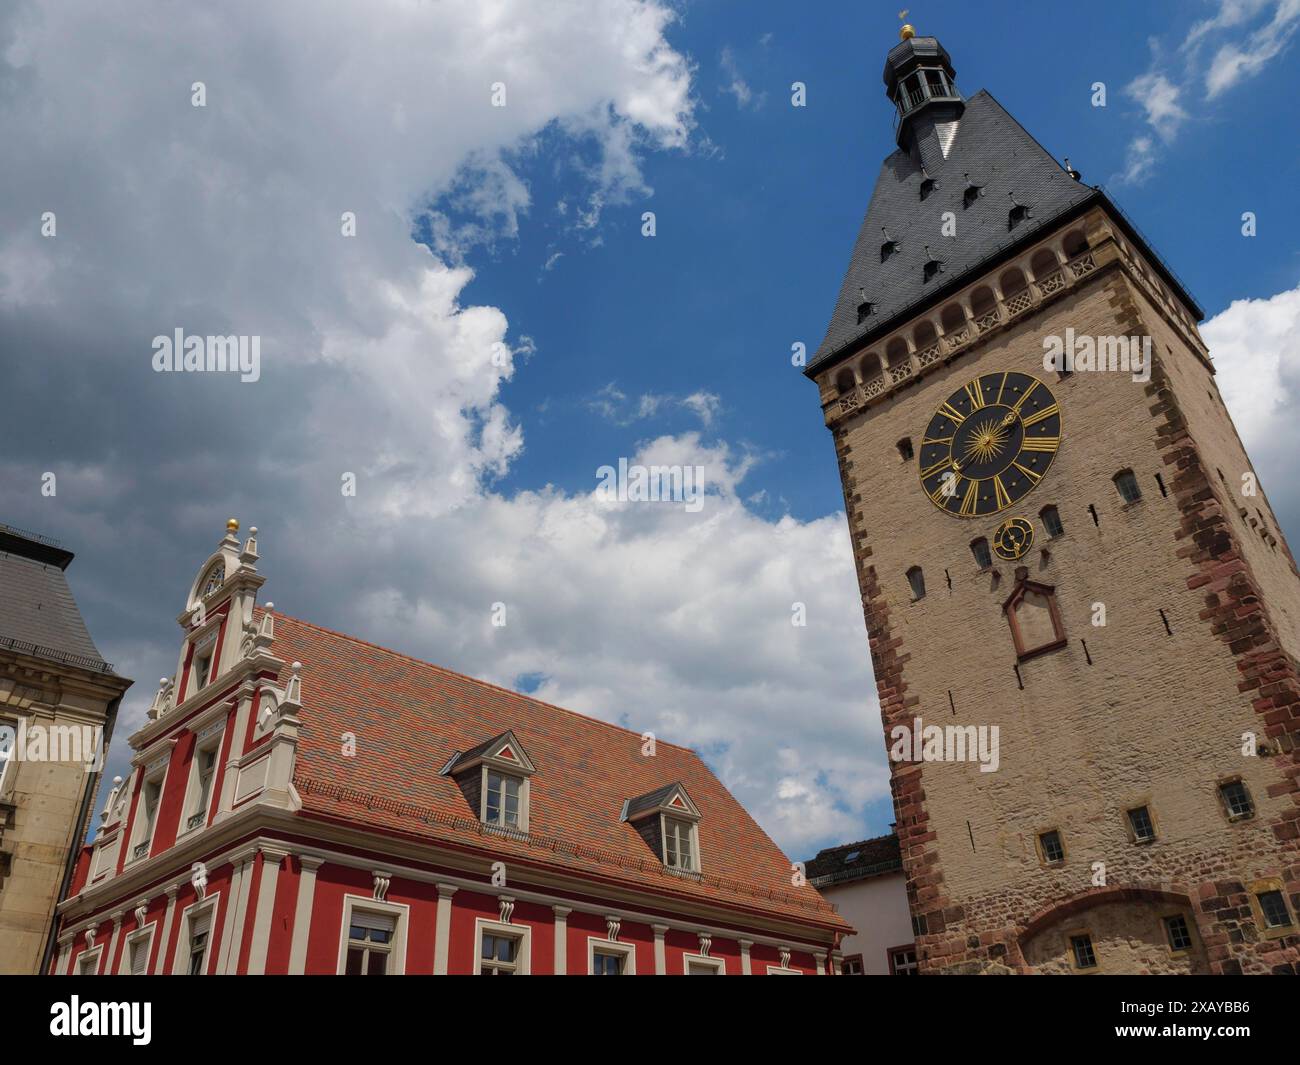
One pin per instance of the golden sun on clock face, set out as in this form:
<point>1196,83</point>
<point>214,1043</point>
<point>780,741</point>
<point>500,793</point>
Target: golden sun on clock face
<point>989,444</point>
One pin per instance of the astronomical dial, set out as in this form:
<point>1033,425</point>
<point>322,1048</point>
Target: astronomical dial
<point>1014,537</point>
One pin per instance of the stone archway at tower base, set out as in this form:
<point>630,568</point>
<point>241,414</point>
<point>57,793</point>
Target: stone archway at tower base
<point>1133,929</point>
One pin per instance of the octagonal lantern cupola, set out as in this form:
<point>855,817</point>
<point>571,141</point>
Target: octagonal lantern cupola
<point>921,82</point>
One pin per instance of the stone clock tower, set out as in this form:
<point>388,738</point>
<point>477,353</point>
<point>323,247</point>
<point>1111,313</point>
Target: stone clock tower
<point>1084,618</point>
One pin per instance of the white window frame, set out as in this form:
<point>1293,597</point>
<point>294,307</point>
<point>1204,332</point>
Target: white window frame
<point>211,742</point>
<point>719,965</point>
<point>777,970</point>
<point>400,911</point>
<point>140,935</point>
<point>204,644</point>
<point>97,953</point>
<point>514,774</point>
<point>664,820</point>
<point>181,959</point>
<point>138,836</point>
<point>522,932</point>
<point>609,946</point>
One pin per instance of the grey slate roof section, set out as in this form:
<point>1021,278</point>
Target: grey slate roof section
<point>648,801</point>
<point>38,615</point>
<point>997,153</point>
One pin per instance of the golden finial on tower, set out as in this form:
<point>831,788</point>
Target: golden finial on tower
<point>233,525</point>
<point>908,31</point>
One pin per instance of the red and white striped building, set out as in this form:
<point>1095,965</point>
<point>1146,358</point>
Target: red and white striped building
<point>304,802</point>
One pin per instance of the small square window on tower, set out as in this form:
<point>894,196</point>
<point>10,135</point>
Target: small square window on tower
<point>1141,827</point>
<point>1237,803</point>
<point>1272,904</point>
<point>905,448</point>
<point>1081,948</point>
<point>1179,935</point>
<point>1127,486</point>
<point>1051,848</point>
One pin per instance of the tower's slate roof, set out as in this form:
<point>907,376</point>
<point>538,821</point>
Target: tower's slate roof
<point>998,154</point>
<point>37,612</point>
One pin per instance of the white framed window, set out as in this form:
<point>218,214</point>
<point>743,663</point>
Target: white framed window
<point>501,949</point>
<point>203,771</point>
<point>680,845</point>
<point>138,946</point>
<point>503,796</point>
<point>699,965</point>
<point>194,944</point>
<point>777,970</point>
<point>607,958</point>
<point>372,941</point>
<point>201,664</point>
<point>146,814</point>
<point>88,962</point>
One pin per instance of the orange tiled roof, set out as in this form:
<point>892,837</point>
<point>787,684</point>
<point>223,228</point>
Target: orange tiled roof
<point>410,717</point>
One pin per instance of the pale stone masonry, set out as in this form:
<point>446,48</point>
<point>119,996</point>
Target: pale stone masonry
<point>57,697</point>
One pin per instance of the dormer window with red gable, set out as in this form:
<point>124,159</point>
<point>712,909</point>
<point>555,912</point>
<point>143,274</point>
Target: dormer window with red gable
<point>669,822</point>
<point>494,779</point>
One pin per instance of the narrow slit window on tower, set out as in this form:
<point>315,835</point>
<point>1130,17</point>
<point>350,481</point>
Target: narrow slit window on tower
<point>1127,486</point>
<point>1160,483</point>
<point>905,448</point>
<point>917,580</point>
<point>1051,519</point>
<point>983,556</point>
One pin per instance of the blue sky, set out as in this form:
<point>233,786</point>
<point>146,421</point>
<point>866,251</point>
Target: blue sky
<point>475,479</point>
<point>756,221</point>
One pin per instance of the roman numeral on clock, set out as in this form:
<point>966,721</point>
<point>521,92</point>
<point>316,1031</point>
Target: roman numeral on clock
<point>1039,415</point>
<point>1041,443</point>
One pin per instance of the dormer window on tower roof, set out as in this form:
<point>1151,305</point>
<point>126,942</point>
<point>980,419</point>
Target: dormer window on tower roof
<point>890,246</point>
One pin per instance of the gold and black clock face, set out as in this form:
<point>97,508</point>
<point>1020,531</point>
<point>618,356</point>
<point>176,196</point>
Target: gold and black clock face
<point>989,444</point>
<point>1014,537</point>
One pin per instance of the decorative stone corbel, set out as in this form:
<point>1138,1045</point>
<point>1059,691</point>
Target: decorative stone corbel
<point>507,908</point>
<point>382,881</point>
<point>199,879</point>
<point>784,952</point>
<point>612,926</point>
<point>90,938</point>
<point>706,943</point>
<point>141,912</point>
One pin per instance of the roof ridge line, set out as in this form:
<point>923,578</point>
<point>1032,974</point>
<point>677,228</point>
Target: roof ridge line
<point>477,680</point>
